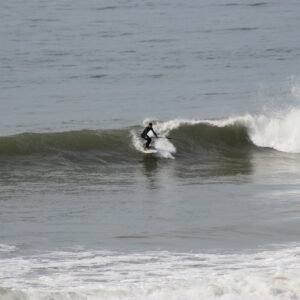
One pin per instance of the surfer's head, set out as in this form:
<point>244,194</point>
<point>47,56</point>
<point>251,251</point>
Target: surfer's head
<point>150,124</point>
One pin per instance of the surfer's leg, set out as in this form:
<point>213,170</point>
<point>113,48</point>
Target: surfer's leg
<point>148,142</point>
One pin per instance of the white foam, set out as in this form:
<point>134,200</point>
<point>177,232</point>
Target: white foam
<point>280,131</point>
<point>7,248</point>
<point>295,87</point>
<point>272,274</point>
<point>137,141</point>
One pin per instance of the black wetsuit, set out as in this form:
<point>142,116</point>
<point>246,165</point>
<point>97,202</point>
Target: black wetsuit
<point>145,136</point>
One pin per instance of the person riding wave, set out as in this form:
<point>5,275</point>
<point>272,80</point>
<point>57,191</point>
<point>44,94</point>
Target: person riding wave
<point>145,136</point>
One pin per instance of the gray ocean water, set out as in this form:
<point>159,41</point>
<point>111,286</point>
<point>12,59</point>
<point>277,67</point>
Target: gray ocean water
<point>85,214</point>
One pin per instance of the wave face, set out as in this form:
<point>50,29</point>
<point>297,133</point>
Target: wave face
<point>104,146</point>
<point>179,139</point>
<point>85,140</point>
<point>204,136</point>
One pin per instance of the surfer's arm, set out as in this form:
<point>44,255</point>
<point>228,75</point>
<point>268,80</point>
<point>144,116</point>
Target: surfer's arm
<point>154,133</point>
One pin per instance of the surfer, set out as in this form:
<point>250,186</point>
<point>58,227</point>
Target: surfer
<point>145,136</point>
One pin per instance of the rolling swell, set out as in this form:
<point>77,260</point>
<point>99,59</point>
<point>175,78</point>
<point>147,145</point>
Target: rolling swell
<point>83,144</point>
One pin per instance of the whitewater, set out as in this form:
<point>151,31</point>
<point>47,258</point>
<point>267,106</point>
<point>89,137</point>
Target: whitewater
<point>82,274</point>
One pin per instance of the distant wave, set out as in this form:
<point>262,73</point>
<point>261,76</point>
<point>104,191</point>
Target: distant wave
<point>247,4</point>
<point>258,4</point>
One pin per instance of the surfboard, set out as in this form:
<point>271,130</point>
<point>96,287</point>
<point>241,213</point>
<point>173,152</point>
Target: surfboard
<point>150,150</point>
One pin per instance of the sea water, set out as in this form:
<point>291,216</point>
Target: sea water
<point>214,214</point>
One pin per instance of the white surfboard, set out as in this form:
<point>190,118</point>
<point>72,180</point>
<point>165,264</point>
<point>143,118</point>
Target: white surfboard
<point>150,150</point>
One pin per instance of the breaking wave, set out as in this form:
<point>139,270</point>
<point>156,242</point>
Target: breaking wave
<point>178,138</point>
